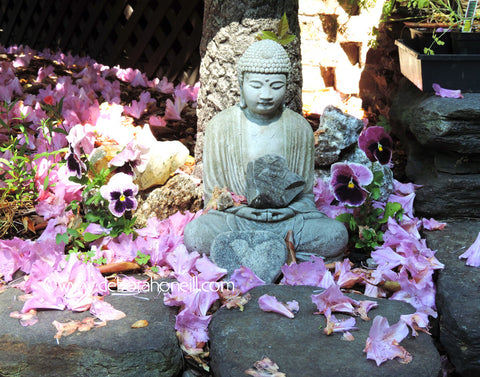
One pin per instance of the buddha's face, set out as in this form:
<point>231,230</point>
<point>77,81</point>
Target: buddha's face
<point>264,92</point>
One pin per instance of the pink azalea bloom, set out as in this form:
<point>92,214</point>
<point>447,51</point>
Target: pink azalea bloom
<point>472,254</point>
<point>383,341</point>
<point>344,276</point>
<point>45,72</point>
<point>364,306</point>
<point>157,121</point>
<point>136,109</point>
<point>173,110</point>
<point>82,139</point>
<point>417,322</point>
<point>181,261</point>
<point>157,247</point>
<point>123,248</point>
<point>404,188</point>
<point>446,93</point>
<point>163,85</point>
<point>192,329</point>
<point>406,201</point>
<point>419,296</point>
<point>271,304</point>
<point>175,224</point>
<point>334,299</point>
<point>323,197</point>
<point>179,290</point>
<point>186,92</point>
<point>336,325</point>
<point>105,311</point>
<point>244,279</point>
<point>312,272</point>
<point>200,300</point>
<point>208,271</point>
<point>432,224</point>
<point>9,257</point>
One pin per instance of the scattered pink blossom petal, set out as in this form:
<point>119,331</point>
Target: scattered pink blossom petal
<point>446,93</point>
<point>383,341</point>
<point>265,368</point>
<point>105,311</point>
<point>336,325</point>
<point>270,304</point>
<point>432,224</point>
<point>208,271</point>
<point>312,272</point>
<point>244,279</point>
<point>333,299</point>
<point>26,319</point>
<point>472,254</point>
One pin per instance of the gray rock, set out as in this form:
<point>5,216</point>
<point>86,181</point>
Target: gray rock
<point>336,132</point>
<point>113,350</point>
<point>270,184</point>
<point>458,295</point>
<point>299,346</point>
<point>439,123</point>
<point>262,251</point>
<point>179,193</point>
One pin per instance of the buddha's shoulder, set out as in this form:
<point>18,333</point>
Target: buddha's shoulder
<point>295,118</point>
<point>228,113</point>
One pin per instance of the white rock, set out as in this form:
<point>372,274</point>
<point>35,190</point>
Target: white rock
<point>164,158</point>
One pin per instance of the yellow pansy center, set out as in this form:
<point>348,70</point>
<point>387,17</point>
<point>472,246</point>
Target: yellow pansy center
<point>122,198</point>
<point>380,148</point>
<point>351,185</point>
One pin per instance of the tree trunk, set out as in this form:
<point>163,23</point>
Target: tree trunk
<point>229,27</point>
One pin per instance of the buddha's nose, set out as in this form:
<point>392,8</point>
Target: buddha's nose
<point>266,93</point>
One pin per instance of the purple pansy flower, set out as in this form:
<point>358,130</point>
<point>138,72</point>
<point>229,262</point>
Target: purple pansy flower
<point>120,192</point>
<point>74,164</point>
<point>376,144</point>
<point>347,181</point>
<point>133,158</point>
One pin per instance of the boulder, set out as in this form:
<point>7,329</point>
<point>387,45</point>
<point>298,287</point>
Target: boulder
<point>336,132</point>
<point>164,158</point>
<point>113,350</point>
<point>299,346</point>
<point>262,251</point>
<point>179,193</point>
<point>458,295</point>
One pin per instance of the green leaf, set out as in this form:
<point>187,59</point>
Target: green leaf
<point>60,130</point>
<point>344,218</point>
<point>89,237</point>
<point>391,208</point>
<point>269,35</point>
<point>73,232</point>
<point>282,27</point>
<point>286,40</point>
<point>61,237</point>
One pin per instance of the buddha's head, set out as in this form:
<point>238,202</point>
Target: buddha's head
<point>263,70</point>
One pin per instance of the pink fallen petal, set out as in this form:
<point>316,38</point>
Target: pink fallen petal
<point>364,307</point>
<point>404,188</point>
<point>337,325</point>
<point>105,311</point>
<point>447,93</point>
<point>26,319</point>
<point>192,330</point>
<point>473,253</point>
<point>293,306</point>
<point>157,121</point>
<point>432,224</point>
<point>209,271</point>
<point>312,272</point>
<point>264,368</point>
<point>417,321</point>
<point>244,279</point>
<point>383,341</point>
<point>333,299</point>
<point>270,304</point>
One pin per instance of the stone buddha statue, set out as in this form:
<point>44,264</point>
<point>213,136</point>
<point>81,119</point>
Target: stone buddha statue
<point>264,151</point>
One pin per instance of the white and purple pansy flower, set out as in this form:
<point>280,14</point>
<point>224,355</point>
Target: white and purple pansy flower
<point>120,192</point>
<point>376,144</point>
<point>75,165</point>
<point>347,182</point>
<point>133,158</point>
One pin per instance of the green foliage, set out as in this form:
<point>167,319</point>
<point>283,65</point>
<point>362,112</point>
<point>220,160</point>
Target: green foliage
<point>366,223</point>
<point>281,36</point>
<point>142,258</point>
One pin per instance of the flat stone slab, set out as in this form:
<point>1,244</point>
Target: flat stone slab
<point>113,350</point>
<point>263,252</point>
<point>458,295</point>
<point>300,348</point>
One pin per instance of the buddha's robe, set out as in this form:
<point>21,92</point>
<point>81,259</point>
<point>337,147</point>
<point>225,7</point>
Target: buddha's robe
<point>231,141</point>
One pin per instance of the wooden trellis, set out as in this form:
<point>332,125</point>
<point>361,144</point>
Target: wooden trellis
<point>159,37</point>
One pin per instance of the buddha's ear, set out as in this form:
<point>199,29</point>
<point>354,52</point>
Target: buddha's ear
<point>242,102</point>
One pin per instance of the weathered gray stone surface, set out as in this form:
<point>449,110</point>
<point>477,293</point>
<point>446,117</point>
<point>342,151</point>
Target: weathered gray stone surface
<point>262,251</point>
<point>229,27</point>
<point>336,132</point>
<point>299,346</point>
<point>113,350</point>
<point>270,184</point>
<point>440,123</point>
<point>179,193</point>
<point>441,137</point>
<point>458,295</point>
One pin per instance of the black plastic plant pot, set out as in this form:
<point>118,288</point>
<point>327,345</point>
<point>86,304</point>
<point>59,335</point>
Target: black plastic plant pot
<point>423,38</point>
<point>465,43</point>
<point>450,71</point>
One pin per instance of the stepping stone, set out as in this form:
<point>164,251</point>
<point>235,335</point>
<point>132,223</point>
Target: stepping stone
<point>300,348</point>
<point>113,350</point>
<point>458,295</point>
<point>262,251</point>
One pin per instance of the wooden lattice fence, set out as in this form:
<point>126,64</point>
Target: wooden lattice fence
<point>159,37</point>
